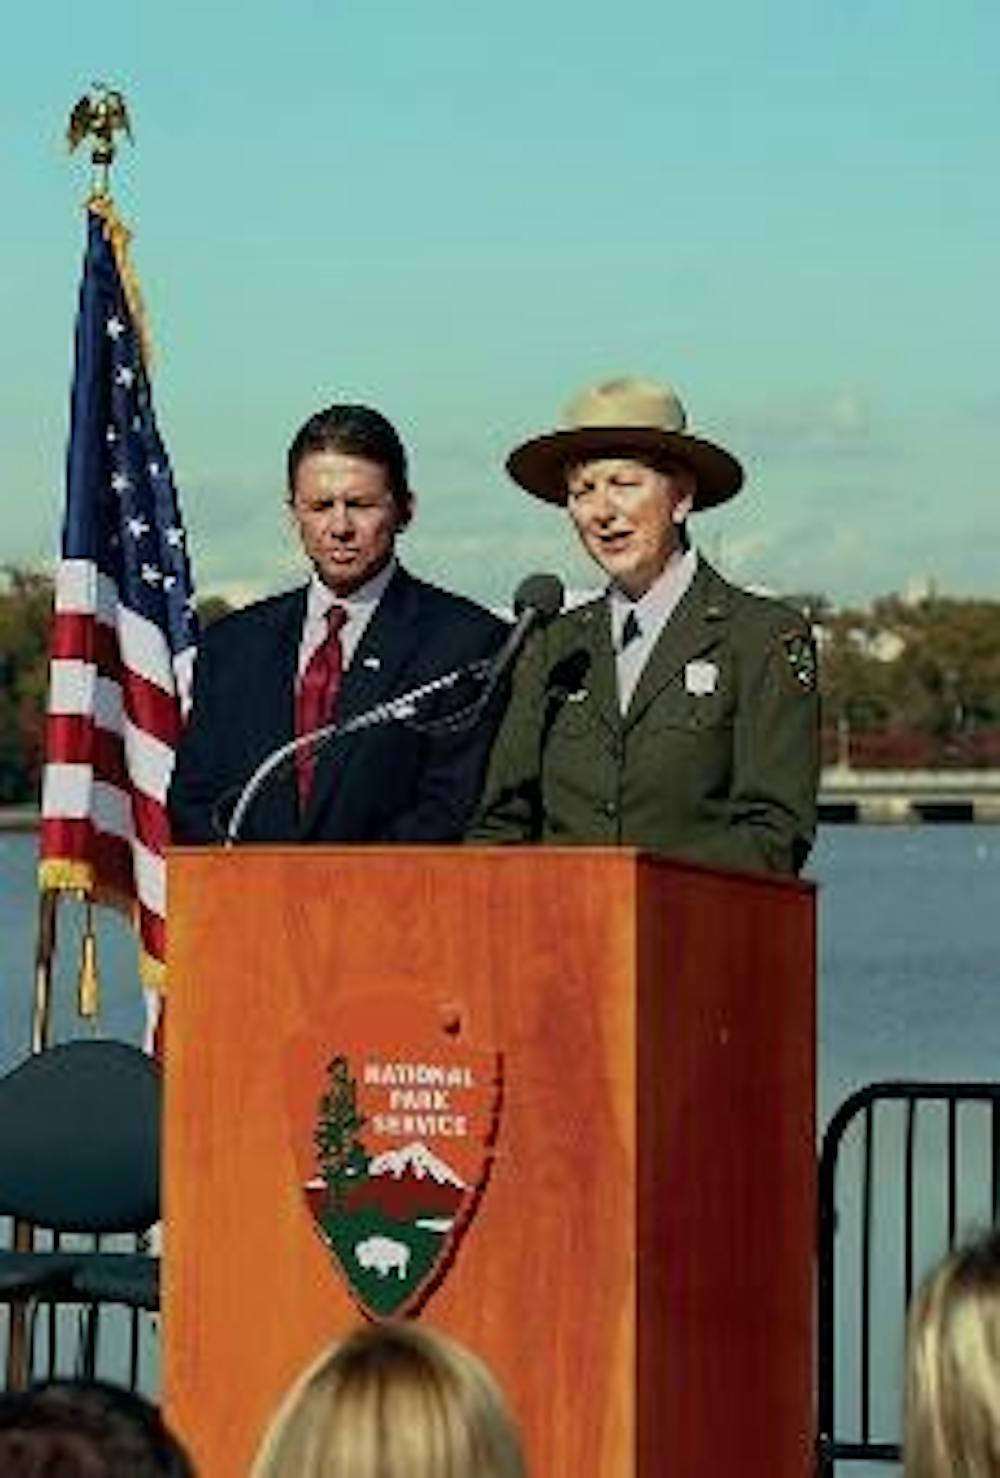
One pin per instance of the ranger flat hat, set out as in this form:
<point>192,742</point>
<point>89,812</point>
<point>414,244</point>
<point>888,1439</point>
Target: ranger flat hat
<point>620,418</point>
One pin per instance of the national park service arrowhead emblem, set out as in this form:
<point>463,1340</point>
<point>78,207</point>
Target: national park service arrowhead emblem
<point>394,1123</point>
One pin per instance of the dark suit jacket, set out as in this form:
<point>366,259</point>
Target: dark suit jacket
<point>727,776</point>
<point>385,784</point>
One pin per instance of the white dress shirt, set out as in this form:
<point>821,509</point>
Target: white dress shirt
<point>652,610</point>
<point>360,606</point>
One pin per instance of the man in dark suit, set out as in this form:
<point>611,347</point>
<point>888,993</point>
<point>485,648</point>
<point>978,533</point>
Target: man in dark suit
<point>363,630</point>
<point>677,712</point>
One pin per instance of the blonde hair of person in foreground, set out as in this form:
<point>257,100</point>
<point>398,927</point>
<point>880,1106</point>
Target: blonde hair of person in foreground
<point>394,1400</point>
<point>953,1368</point>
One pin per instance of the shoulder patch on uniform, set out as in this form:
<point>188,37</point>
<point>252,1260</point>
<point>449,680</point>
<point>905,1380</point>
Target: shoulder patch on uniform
<point>800,654</point>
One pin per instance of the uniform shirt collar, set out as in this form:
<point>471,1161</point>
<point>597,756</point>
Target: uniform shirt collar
<point>656,605</point>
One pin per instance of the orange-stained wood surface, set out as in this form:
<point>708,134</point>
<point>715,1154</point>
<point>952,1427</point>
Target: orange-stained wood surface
<point>638,1273</point>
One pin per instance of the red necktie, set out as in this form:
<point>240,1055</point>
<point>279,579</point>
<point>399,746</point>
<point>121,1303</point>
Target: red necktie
<point>317,696</point>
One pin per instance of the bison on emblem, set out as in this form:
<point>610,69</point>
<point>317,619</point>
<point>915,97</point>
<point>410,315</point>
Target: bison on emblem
<point>383,1254</point>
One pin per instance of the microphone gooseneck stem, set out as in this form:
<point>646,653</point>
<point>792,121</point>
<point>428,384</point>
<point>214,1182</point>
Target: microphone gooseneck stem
<point>393,710</point>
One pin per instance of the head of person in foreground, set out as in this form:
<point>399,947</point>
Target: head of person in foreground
<point>953,1367</point>
<point>86,1429</point>
<point>393,1400</point>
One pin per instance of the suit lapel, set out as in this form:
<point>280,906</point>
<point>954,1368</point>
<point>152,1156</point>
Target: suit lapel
<point>374,674</point>
<point>275,812</point>
<point>694,626</point>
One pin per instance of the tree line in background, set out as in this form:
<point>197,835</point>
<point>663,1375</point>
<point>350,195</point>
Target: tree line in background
<point>904,682</point>
<point>911,683</point>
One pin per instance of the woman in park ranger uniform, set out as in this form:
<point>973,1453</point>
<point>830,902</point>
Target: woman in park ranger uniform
<point>677,712</point>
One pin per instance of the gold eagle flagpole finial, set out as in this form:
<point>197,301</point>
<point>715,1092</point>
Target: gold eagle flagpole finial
<point>99,115</point>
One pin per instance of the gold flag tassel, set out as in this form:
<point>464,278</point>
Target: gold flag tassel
<point>88,985</point>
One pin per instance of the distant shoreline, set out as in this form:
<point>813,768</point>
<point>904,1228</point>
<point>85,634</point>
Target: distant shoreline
<point>18,818</point>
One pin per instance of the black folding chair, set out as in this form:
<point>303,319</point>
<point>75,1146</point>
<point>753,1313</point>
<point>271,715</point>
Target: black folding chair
<point>79,1155</point>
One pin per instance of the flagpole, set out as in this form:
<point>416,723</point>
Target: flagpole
<point>99,116</point>
<point>45,954</point>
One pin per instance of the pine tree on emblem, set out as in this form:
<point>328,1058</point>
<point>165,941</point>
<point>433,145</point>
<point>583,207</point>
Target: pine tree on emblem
<point>342,1157</point>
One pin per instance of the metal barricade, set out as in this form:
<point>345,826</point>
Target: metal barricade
<point>907,1170</point>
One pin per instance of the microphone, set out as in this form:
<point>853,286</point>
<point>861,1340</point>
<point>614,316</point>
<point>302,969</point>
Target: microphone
<point>537,600</point>
<point>541,594</point>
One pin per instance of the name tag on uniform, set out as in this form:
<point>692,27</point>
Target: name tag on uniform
<point>700,678</point>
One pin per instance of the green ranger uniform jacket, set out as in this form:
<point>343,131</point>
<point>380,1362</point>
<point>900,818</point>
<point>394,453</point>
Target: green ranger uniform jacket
<point>715,759</point>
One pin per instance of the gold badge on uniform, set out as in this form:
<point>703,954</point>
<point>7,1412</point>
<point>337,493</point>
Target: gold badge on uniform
<point>801,655</point>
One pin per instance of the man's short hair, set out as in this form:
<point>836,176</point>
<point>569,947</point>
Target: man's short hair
<point>357,431</point>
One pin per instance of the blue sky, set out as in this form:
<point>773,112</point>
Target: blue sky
<point>463,213</point>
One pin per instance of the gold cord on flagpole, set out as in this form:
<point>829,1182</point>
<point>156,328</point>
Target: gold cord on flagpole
<point>88,985</point>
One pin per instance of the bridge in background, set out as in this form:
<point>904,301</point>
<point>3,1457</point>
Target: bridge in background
<point>905,796</point>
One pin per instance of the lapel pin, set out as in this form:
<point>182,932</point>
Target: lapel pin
<point>372,663</point>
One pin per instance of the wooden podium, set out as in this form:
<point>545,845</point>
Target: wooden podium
<point>638,1272</point>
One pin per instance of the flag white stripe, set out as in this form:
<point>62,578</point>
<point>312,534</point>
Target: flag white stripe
<point>149,762</point>
<point>150,878</point>
<point>184,676</point>
<point>75,688</point>
<point>144,649</point>
<point>82,590</point>
<point>74,792</point>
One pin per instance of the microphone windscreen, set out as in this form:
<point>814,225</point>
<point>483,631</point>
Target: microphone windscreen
<point>540,593</point>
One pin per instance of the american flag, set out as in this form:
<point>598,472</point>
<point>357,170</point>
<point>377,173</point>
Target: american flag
<point>124,631</point>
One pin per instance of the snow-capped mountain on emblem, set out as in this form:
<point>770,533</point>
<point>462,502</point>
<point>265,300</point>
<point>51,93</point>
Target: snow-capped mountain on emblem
<point>407,1184</point>
<point>414,1159</point>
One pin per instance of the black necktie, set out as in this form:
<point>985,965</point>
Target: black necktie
<point>631,630</point>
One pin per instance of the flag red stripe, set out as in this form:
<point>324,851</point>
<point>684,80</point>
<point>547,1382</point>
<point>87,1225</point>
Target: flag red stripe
<point>78,840</point>
<point>83,639</point>
<point>153,932</point>
<point>150,708</point>
<point>73,739</point>
<point>152,825</point>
